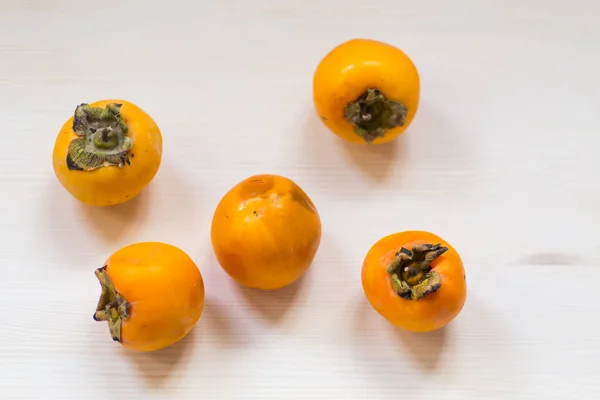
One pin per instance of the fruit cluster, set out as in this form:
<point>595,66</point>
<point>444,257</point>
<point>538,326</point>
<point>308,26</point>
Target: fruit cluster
<point>266,230</point>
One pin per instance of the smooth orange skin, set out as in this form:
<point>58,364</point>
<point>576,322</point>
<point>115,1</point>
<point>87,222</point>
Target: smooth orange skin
<point>265,232</point>
<point>349,70</point>
<point>113,184</point>
<point>429,313</point>
<point>165,290</point>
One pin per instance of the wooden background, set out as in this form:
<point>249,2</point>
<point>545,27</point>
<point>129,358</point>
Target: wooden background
<point>502,161</point>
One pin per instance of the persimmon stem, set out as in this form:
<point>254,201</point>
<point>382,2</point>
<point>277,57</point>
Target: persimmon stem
<point>411,274</point>
<point>112,307</point>
<point>102,138</point>
<point>372,114</point>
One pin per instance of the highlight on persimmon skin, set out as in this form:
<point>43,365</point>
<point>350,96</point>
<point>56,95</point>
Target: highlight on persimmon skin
<point>265,232</point>
<point>366,91</point>
<point>415,280</point>
<point>152,295</point>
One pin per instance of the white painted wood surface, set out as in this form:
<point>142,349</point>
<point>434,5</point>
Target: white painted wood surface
<point>502,161</point>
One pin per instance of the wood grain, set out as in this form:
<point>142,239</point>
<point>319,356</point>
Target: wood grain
<point>501,161</point>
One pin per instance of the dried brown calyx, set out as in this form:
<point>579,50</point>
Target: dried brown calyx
<point>112,307</point>
<point>411,273</point>
<point>372,114</point>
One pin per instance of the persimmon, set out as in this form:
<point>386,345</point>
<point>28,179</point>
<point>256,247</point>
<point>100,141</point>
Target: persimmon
<point>152,295</point>
<point>107,152</point>
<point>415,280</point>
<point>366,91</point>
<point>265,232</point>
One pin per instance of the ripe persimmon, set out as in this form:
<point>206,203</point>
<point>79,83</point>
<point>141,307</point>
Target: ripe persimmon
<point>107,152</point>
<point>265,232</point>
<point>415,280</point>
<point>366,91</point>
<point>152,295</point>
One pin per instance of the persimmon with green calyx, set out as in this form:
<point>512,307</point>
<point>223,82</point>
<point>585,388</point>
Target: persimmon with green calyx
<point>415,280</point>
<point>265,232</point>
<point>366,91</point>
<point>107,152</point>
<point>152,295</point>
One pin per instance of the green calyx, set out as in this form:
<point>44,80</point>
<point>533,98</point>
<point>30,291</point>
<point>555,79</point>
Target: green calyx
<point>102,138</point>
<point>112,307</point>
<point>372,114</point>
<point>411,273</point>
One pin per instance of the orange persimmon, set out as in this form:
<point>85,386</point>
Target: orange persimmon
<point>366,91</point>
<point>107,152</point>
<point>415,280</point>
<point>152,295</point>
<point>265,232</point>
